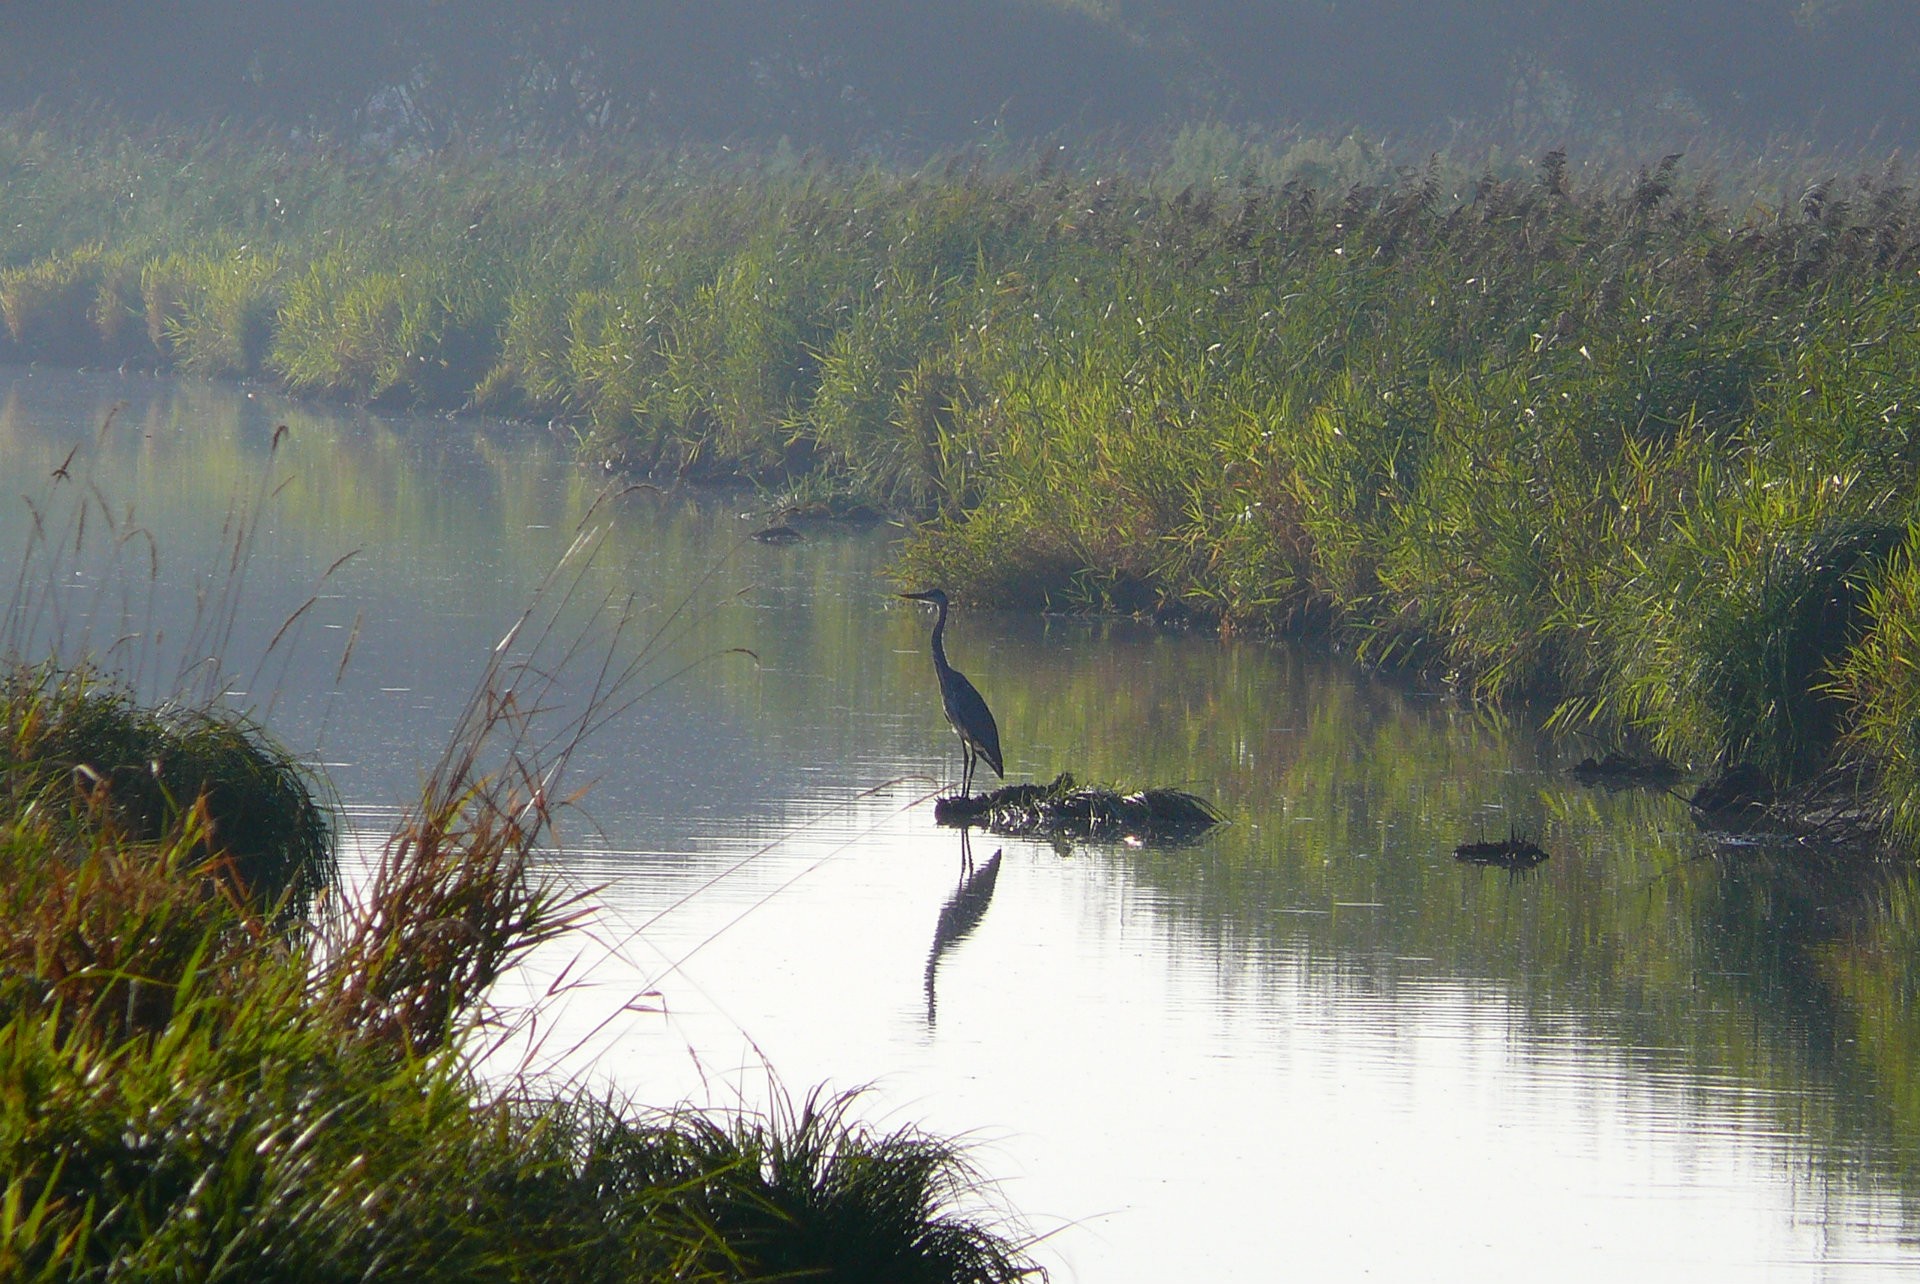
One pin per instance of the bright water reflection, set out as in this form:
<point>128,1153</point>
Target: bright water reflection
<point>1313,1046</point>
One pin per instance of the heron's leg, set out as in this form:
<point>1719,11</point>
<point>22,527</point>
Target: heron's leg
<point>966,770</point>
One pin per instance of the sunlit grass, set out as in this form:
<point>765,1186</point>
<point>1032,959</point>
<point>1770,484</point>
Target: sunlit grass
<point>212,313</point>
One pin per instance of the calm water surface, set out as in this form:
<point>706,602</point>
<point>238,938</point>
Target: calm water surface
<point>1311,1047</point>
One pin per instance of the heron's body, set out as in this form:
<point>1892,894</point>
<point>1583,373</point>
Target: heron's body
<point>966,710</point>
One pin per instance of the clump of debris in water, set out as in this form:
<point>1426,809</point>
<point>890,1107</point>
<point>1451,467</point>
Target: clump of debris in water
<point>1066,808</point>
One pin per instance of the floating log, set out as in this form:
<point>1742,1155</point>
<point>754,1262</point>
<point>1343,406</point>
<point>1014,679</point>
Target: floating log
<point>1511,852</point>
<point>1069,809</point>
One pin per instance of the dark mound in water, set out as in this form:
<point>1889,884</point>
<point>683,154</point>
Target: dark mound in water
<point>1068,809</point>
<point>1623,771</point>
<point>1511,852</point>
<point>1741,787</point>
<point>1741,805</point>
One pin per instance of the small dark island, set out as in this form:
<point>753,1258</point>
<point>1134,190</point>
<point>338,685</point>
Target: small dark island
<point>1066,808</point>
<point>1511,852</point>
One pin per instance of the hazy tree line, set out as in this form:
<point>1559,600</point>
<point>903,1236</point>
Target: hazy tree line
<point>927,73</point>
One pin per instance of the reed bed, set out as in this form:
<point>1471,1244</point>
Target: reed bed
<point>1634,441</point>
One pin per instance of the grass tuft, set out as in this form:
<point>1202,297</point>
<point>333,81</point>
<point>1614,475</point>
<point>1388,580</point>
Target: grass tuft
<point>75,745</point>
<point>807,1192</point>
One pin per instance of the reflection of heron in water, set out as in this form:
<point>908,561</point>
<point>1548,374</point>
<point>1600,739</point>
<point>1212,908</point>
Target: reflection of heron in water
<point>972,721</point>
<point>963,910</point>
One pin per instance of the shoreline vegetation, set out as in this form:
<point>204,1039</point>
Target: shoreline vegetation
<point>1633,442</point>
<point>219,1060</point>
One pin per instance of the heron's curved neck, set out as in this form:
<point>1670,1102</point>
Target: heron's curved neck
<point>939,647</point>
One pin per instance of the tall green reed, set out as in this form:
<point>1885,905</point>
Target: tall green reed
<point>1489,421</point>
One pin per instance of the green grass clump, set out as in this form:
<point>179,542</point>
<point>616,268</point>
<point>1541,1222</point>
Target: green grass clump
<point>806,1192</point>
<point>1736,658</point>
<point>212,314</point>
<point>74,306</point>
<point>72,743</point>
<point>182,1097</point>
<point>413,331</point>
<point>1879,683</point>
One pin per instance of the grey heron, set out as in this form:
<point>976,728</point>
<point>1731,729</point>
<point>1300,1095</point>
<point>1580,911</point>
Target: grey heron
<point>966,711</point>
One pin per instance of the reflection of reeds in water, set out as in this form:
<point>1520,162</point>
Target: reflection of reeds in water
<point>960,915</point>
<point>78,538</point>
<point>98,724</point>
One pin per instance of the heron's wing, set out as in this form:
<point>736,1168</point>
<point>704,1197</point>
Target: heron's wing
<point>968,713</point>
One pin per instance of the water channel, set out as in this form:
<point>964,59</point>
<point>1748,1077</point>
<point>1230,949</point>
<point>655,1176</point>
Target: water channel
<point>1312,1046</point>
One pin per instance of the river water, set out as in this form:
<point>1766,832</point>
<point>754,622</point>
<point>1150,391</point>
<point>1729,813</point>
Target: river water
<point>1311,1046</point>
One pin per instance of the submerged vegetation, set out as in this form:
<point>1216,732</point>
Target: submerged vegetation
<point>1635,443</point>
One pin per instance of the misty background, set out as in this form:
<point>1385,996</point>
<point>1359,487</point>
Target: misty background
<point>909,76</point>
